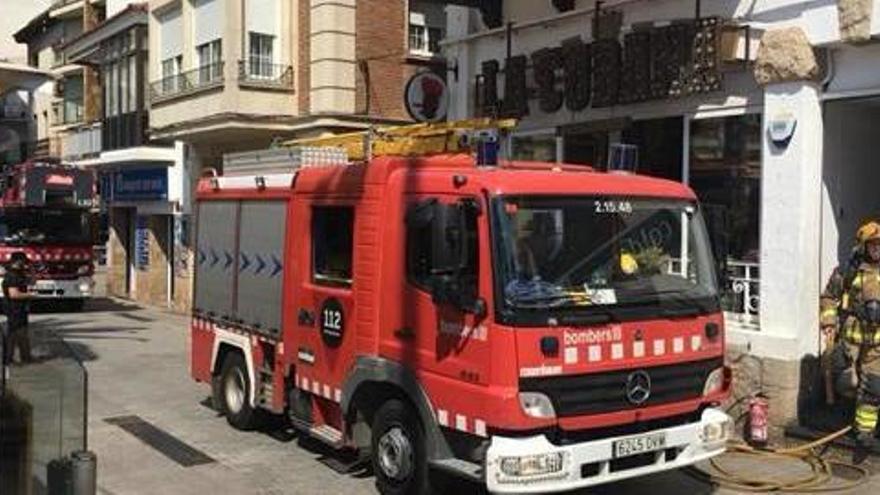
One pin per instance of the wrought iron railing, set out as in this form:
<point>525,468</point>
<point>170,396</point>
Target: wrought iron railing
<point>204,77</point>
<point>259,72</point>
<point>741,299</point>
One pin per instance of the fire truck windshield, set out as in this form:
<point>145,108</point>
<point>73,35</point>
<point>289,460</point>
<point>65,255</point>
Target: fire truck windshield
<point>608,252</point>
<point>45,226</point>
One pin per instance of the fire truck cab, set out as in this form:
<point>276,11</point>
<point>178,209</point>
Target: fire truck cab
<point>534,327</point>
<point>46,213</point>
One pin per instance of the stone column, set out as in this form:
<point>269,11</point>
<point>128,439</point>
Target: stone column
<point>92,95</point>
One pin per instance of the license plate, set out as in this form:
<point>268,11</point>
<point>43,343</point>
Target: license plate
<point>638,445</point>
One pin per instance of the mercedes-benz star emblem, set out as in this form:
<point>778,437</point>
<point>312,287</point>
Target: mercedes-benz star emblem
<point>638,387</point>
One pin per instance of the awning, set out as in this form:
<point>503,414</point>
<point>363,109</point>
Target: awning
<point>21,77</point>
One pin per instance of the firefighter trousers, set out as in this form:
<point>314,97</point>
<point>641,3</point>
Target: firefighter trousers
<point>867,368</point>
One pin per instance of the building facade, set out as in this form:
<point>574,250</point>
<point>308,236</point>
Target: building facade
<point>18,127</point>
<point>74,98</point>
<point>187,81</point>
<point>144,185</point>
<point>764,108</point>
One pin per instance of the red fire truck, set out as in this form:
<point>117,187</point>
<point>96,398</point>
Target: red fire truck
<point>534,327</point>
<point>46,213</point>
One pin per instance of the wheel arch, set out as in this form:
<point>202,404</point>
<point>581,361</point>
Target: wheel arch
<point>226,342</point>
<point>374,380</point>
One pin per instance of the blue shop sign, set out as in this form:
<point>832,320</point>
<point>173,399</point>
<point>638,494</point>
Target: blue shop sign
<point>144,184</point>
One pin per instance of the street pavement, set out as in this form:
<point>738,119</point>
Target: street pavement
<point>137,363</point>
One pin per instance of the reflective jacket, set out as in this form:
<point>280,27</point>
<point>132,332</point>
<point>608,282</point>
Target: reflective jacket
<point>843,301</point>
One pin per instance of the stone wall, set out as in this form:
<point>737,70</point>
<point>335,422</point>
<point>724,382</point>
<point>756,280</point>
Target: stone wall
<point>117,260</point>
<point>795,389</point>
<point>854,18</point>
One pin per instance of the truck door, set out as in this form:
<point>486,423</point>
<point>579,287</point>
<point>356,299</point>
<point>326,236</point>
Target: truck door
<point>443,302</point>
<point>323,301</point>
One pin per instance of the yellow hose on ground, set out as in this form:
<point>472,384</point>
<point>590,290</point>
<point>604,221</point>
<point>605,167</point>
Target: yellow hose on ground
<point>821,469</point>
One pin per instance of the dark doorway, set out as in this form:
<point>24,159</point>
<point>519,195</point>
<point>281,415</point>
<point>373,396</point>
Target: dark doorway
<point>660,143</point>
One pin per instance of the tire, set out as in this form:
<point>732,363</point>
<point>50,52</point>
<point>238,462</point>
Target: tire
<point>235,391</point>
<point>399,453</point>
<point>76,305</point>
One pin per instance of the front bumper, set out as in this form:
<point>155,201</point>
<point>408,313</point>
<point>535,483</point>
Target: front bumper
<point>80,288</point>
<point>592,463</point>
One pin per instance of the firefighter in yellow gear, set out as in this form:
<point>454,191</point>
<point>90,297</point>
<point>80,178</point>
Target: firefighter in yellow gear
<point>850,311</point>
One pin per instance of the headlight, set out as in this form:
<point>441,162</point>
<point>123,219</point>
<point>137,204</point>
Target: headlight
<point>714,382</point>
<point>717,432</point>
<point>536,405</point>
<point>85,287</point>
<point>532,465</point>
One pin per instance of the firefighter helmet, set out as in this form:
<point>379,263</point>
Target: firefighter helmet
<point>869,231</point>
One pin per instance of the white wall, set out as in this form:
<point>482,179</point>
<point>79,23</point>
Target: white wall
<point>116,6</point>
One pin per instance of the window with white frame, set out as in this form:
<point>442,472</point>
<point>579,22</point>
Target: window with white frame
<point>170,48</point>
<point>426,28</point>
<point>261,56</point>
<point>170,71</point>
<point>210,56</point>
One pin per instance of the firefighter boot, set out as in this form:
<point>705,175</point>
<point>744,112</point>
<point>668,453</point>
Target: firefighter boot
<point>863,429</point>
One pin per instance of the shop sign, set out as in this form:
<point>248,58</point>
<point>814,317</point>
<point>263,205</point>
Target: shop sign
<point>427,97</point>
<point>138,185</point>
<point>141,243</point>
<point>654,63</point>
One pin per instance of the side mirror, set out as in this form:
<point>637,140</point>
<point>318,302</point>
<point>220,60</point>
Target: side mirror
<point>447,239</point>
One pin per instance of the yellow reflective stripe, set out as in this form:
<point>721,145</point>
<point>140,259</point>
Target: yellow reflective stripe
<point>829,313</point>
<point>857,281</point>
<point>866,417</point>
<point>845,301</point>
<point>853,334</point>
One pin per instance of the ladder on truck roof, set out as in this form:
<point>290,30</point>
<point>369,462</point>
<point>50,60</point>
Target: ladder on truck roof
<point>413,140</point>
<point>410,140</point>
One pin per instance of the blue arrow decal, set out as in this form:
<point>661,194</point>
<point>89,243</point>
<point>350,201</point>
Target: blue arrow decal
<point>261,263</point>
<point>228,261</point>
<point>214,258</point>
<point>245,262</point>
<point>278,267</point>
<point>202,257</point>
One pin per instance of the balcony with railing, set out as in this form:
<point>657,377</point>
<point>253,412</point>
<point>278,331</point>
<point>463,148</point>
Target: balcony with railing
<point>204,78</point>
<point>265,75</point>
<point>82,143</point>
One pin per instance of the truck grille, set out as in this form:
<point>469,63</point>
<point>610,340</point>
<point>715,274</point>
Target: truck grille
<point>596,393</point>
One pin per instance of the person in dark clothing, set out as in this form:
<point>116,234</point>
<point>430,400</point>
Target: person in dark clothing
<point>15,284</point>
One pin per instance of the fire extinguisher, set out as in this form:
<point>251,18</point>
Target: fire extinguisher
<point>759,413</point>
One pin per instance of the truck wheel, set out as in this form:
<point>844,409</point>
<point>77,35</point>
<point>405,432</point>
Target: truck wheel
<point>235,391</point>
<point>398,450</point>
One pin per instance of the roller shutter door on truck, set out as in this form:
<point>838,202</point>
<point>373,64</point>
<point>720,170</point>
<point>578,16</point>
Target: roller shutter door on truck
<point>240,262</point>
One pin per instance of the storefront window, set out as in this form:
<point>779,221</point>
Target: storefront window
<point>725,172</point>
<point>535,148</point>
